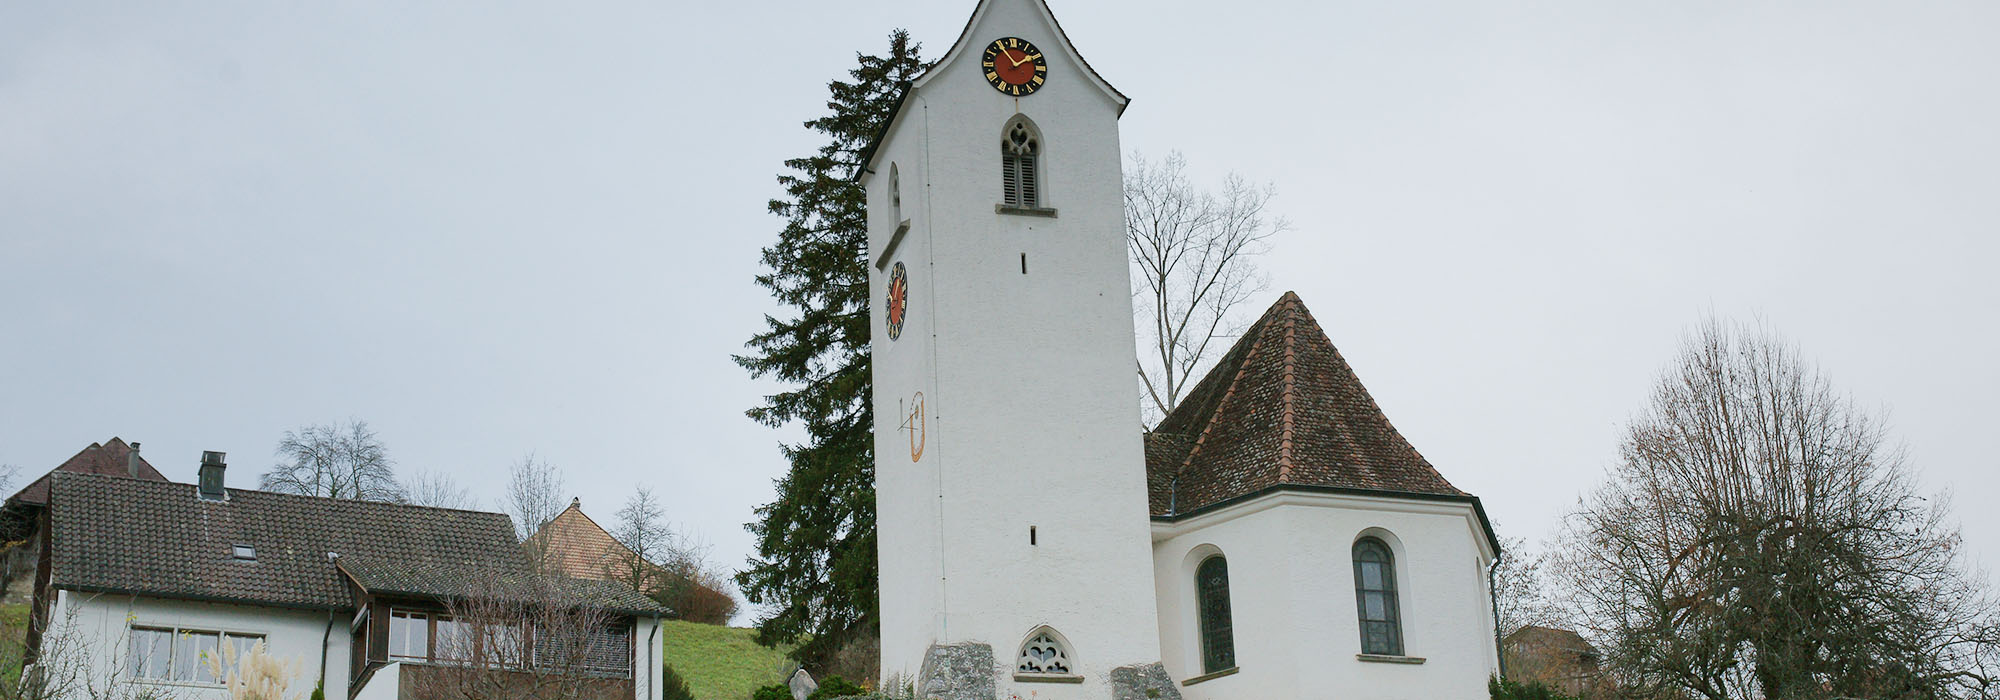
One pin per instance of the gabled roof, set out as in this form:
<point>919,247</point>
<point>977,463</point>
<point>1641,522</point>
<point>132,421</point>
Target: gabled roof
<point>964,44</point>
<point>109,458</point>
<point>1550,637</point>
<point>122,535</point>
<point>959,48</point>
<point>576,545</point>
<point>1282,409</point>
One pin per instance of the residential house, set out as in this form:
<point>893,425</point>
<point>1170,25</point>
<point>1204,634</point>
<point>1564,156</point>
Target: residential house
<point>575,545</point>
<point>23,510</point>
<point>144,580</point>
<point>1558,658</point>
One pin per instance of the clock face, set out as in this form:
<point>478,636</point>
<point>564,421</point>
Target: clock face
<point>899,300</point>
<point>1014,66</point>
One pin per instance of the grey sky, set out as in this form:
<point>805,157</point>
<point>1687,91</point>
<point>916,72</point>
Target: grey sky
<point>495,228</point>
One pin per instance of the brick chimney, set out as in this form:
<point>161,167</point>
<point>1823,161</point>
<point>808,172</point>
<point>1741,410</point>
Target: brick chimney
<point>132,461</point>
<point>210,480</point>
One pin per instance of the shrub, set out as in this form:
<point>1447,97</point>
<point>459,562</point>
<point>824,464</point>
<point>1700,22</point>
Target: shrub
<point>836,687</point>
<point>1503,689</point>
<point>774,691</point>
<point>672,687</point>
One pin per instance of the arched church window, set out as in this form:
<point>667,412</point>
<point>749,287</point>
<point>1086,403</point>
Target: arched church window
<point>1375,598</point>
<point>895,195</point>
<point>1218,641</point>
<point>1020,150</point>
<point>1044,653</point>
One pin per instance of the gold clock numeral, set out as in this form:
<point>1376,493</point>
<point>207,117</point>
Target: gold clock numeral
<point>992,76</point>
<point>1038,79</point>
<point>1013,43</point>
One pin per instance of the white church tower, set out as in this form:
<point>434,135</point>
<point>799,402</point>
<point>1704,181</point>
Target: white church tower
<point>1010,473</point>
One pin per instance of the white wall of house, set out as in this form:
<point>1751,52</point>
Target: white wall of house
<point>386,684</point>
<point>648,664</point>
<point>103,623</point>
<point>1026,376</point>
<point>1292,598</point>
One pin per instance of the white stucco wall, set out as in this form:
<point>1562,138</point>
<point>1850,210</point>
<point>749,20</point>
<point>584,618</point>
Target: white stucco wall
<point>384,685</point>
<point>1292,598</point>
<point>1027,381</point>
<point>291,635</point>
<point>648,666</point>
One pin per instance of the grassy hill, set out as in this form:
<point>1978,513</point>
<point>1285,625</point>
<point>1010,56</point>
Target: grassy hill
<point>13,632</point>
<point>722,663</point>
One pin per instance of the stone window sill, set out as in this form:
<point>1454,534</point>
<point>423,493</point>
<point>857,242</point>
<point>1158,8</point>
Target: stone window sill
<point>1387,659</point>
<point>1203,678</point>
<point>1024,211</point>
<point>1047,678</point>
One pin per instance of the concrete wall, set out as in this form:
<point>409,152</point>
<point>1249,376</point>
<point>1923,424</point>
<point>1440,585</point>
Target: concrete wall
<point>1031,416</point>
<point>104,621</point>
<point>1293,602</point>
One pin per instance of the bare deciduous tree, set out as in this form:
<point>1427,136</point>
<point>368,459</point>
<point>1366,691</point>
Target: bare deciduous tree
<point>72,663</point>
<point>339,460</point>
<point>1192,253</point>
<point>439,490</point>
<point>526,637</point>
<point>669,566</point>
<point>1759,537</point>
<point>1518,590</point>
<point>534,497</point>
<point>647,540</point>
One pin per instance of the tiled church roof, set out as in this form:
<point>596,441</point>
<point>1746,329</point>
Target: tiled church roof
<point>1282,408</point>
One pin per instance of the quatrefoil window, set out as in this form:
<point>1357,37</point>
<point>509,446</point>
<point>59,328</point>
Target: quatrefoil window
<point>1044,653</point>
<point>1020,181</point>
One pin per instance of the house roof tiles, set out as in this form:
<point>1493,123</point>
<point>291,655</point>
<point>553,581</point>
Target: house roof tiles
<point>112,533</point>
<point>109,458</point>
<point>1281,408</point>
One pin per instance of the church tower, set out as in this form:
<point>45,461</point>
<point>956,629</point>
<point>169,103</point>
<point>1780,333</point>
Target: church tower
<point>1010,474</point>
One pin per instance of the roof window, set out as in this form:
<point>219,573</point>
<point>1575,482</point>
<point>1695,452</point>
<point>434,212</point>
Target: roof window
<point>244,552</point>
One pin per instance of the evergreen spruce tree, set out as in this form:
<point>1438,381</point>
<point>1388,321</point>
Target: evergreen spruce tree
<point>815,564</point>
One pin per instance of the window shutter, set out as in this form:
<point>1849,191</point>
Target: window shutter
<point>1010,182</point>
<point>1029,196</point>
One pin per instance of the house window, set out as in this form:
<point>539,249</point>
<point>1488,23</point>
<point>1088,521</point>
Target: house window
<point>501,646</point>
<point>1044,653</point>
<point>409,636</point>
<point>185,655</point>
<point>434,637</point>
<point>1375,598</point>
<point>1218,642</point>
<point>453,640</point>
<point>1020,149</point>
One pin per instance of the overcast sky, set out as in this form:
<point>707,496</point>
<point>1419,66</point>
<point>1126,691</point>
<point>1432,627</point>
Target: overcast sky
<point>495,228</point>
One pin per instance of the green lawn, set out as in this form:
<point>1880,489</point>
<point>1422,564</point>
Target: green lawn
<point>722,663</point>
<point>13,633</point>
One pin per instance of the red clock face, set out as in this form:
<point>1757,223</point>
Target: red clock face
<point>899,300</point>
<point>1014,66</point>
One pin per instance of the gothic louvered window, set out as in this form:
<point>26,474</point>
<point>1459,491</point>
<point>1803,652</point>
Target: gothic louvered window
<point>1043,653</point>
<point>1020,148</point>
<point>1375,598</point>
<point>1218,642</point>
